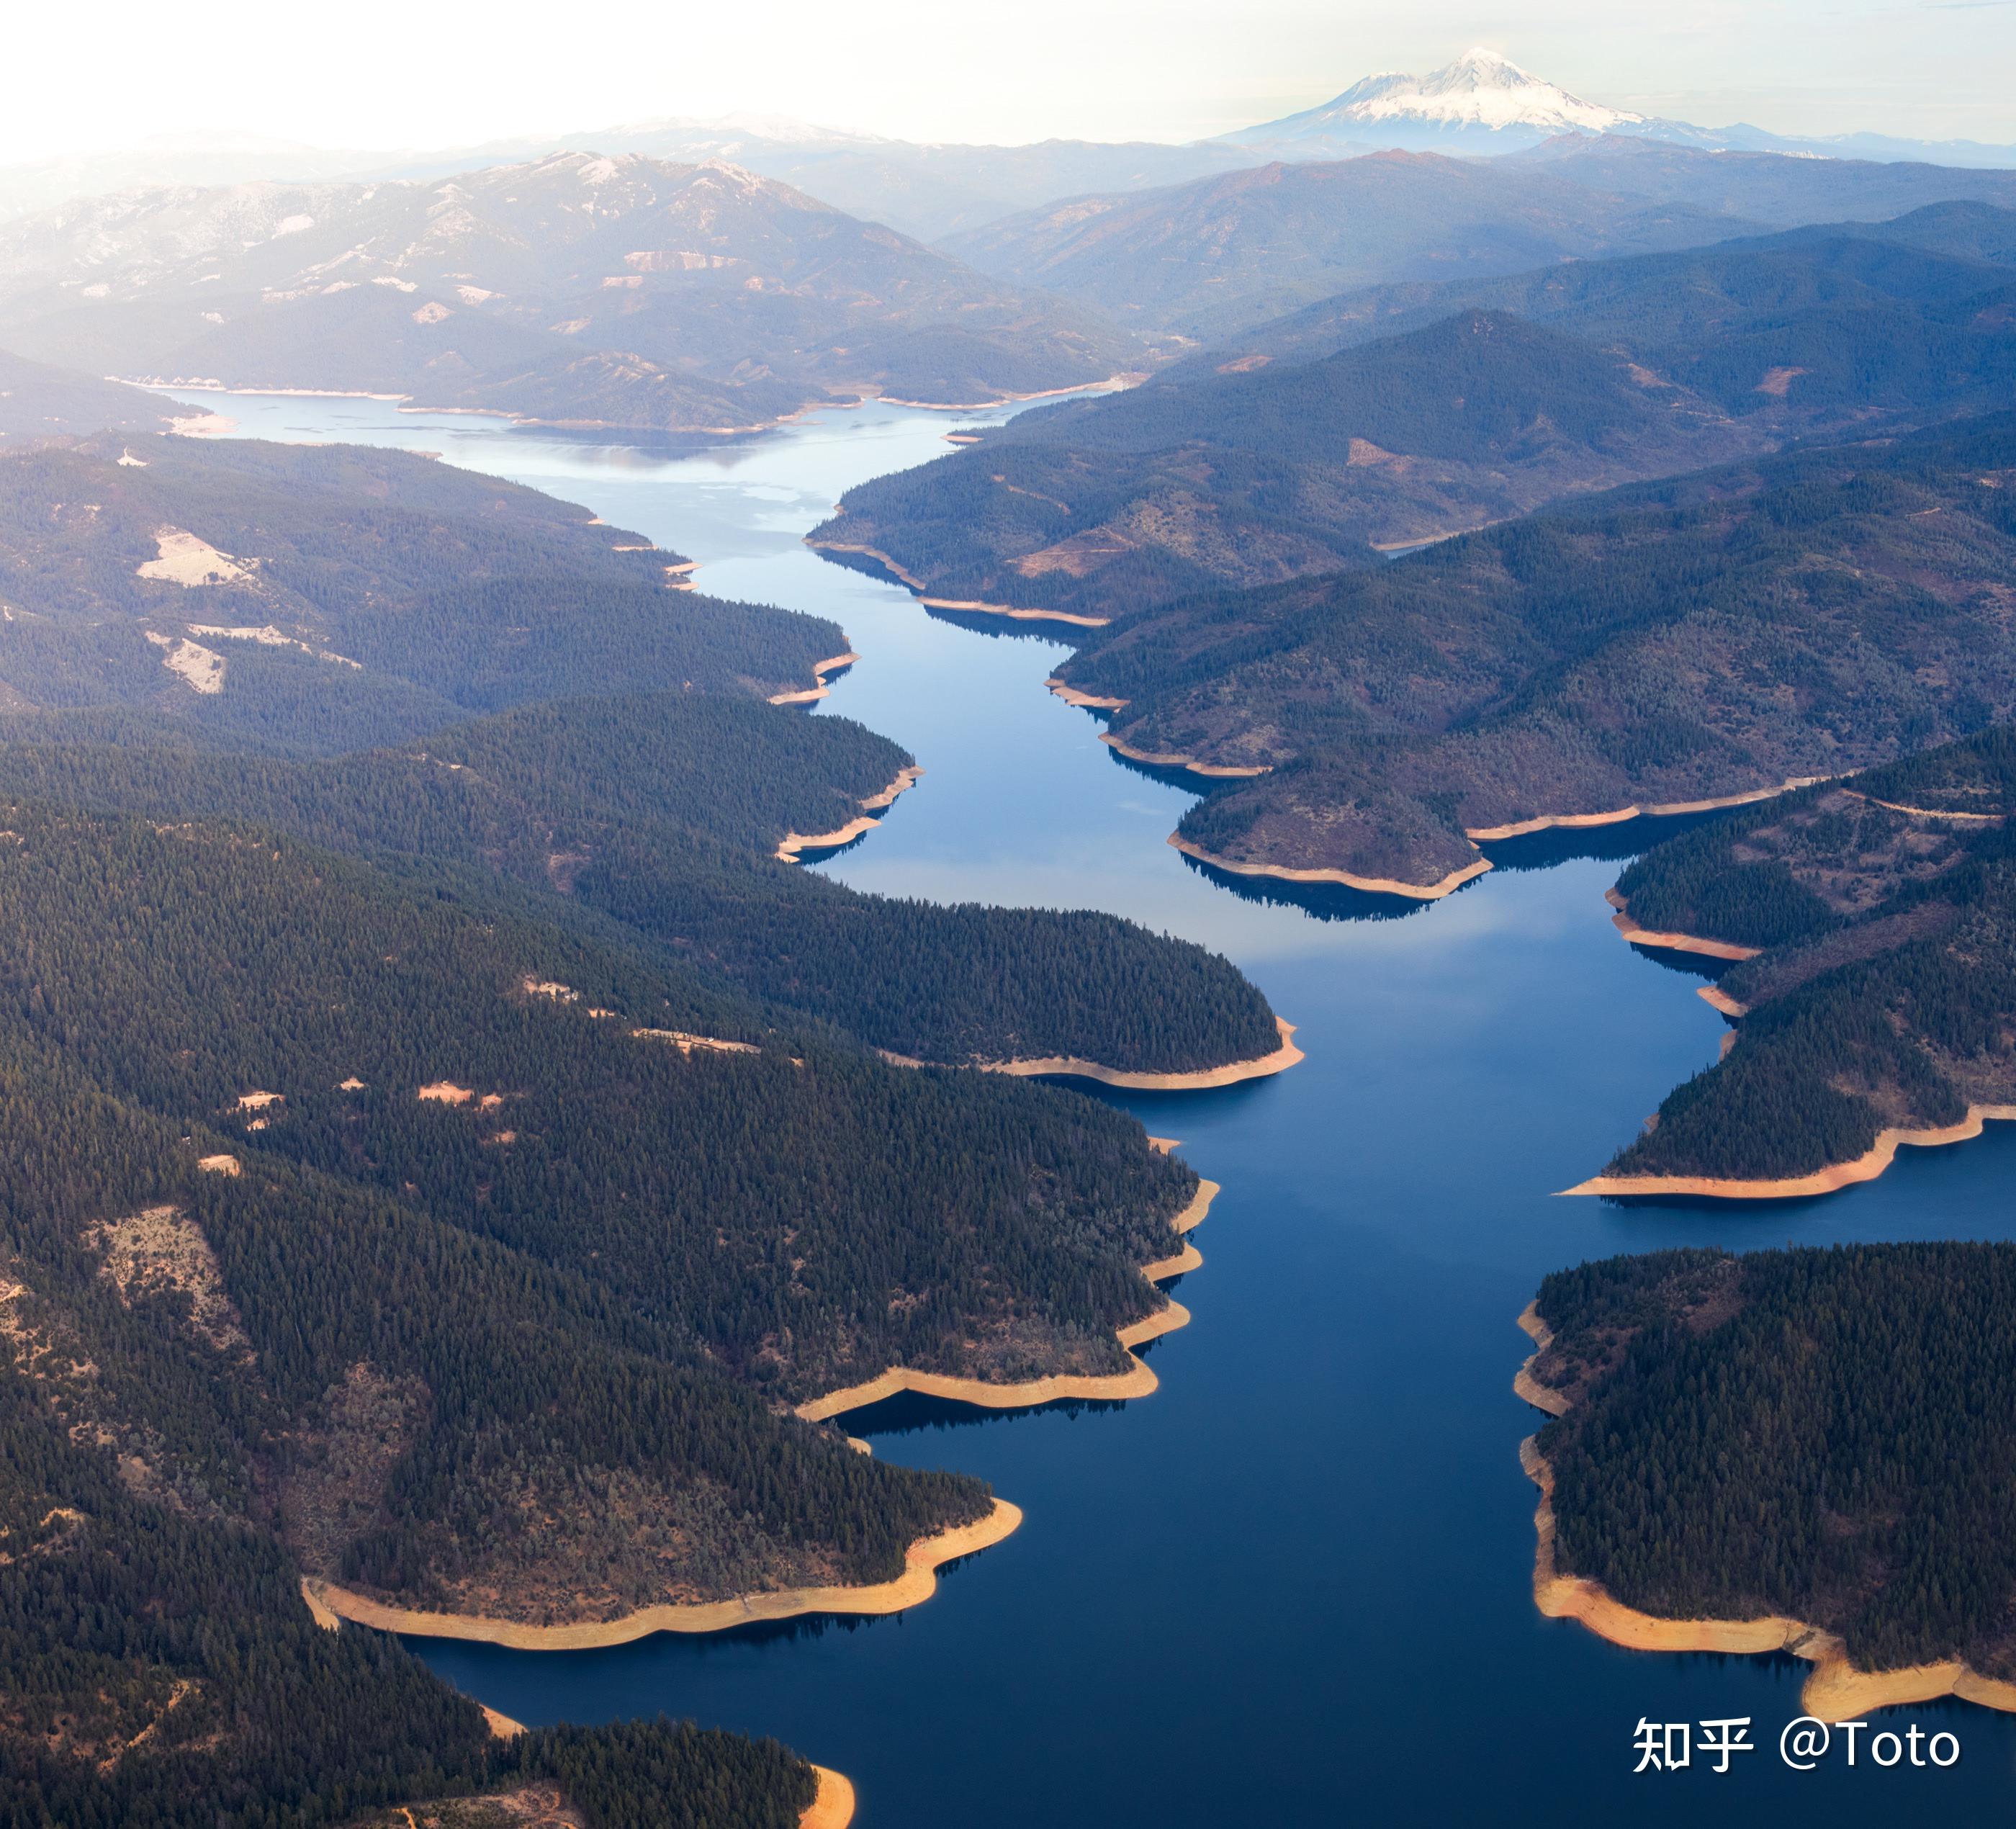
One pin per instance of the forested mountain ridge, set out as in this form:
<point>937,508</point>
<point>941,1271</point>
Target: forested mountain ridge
<point>161,1668</point>
<point>1252,478</point>
<point>661,812</point>
<point>576,289</point>
<point>1940,267</point>
<point>1751,185</point>
<point>1216,255</point>
<point>1813,1435</point>
<point>333,597</point>
<point>1881,917</point>
<point>1630,651</point>
<point>1388,418</point>
<point>39,402</point>
<point>685,1221</point>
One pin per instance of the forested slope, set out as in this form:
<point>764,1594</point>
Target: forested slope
<point>576,289</point>
<point>213,966</point>
<point>38,402</point>
<point>1821,1435</point>
<point>333,597</point>
<point>1257,476</point>
<point>161,1668</point>
<point>661,812</point>
<point>1215,256</point>
<point>1936,270</point>
<point>1633,651</point>
<point>273,1085</point>
<point>1403,414</point>
<point>1883,913</point>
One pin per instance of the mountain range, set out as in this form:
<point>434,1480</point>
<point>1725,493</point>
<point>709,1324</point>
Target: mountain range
<point>1715,635</point>
<point>1394,416</point>
<point>580,289</point>
<point>1484,103</point>
<point>1481,104</point>
<point>1213,258</point>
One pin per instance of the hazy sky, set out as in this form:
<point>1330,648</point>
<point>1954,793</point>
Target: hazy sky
<point>392,72</point>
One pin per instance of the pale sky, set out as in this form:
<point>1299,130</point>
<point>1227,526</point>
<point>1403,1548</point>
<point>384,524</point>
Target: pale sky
<point>398,72</point>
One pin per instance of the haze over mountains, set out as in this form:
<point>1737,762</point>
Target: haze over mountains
<point>1481,104</point>
<point>1393,415</point>
<point>1212,258</point>
<point>583,289</point>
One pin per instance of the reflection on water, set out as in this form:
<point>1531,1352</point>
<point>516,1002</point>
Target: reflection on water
<point>1324,902</point>
<point>1558,844</point>
<point>909,1413</point>
<point>1293,1586</point>
<point>992,624</point>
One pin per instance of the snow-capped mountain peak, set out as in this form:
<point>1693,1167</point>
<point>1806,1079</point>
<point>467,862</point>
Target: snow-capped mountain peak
<point>1479,95</point>
<point>1481,89</point>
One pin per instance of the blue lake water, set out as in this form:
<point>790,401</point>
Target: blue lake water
<point>1293,1586</point>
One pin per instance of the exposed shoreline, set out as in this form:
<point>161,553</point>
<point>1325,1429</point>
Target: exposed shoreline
<point>832,1806</point>
<point>411,403</point>
<point>1084,700</point>
<point>1197,1079</point>
<point>1657,810</point>
<point>793,843</point>
<point>1830,1180</point>
<point>918,589</point>
<point>820,669</point>
<point>1138,1380</point>
<point>1719,1000</point>
<point>1212,770</point>
<point>1525,1383</point>
<point>1639,936</point>
<point>917,1583</point>
<point>1112,384</point>
<point>1477,835</point>
<point>1834,1691</point>
<point>1371,885</point>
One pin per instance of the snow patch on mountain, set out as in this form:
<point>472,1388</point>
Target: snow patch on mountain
<point>1480,92</point>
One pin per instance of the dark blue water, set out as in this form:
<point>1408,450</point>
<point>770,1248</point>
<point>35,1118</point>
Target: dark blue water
<point>1293,1586</point>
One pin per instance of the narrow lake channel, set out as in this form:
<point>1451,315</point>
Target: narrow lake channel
<point>1293,1586</point>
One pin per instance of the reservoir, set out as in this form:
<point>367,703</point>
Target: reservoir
<point>1293,1586</point>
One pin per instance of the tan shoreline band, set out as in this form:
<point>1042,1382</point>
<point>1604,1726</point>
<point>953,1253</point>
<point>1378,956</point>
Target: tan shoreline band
<point>832,1806</point>
<point>1112,384</point>
<point>1157,759</point>
<point>793,843</point>
<point>1138,1380</point>
<point>330,1605</point>
<point>1087,701</point>
<point>1655,810</point>
<point>918,589</point>
<point>1834,1691</point>
<point>1198,1079</point>
<point>1866,1167</point>
<point>1479,834</point>
<point>917,1583</point>
<point>820,670</point>
<point>1640,936</point>
<point>1371,885</point>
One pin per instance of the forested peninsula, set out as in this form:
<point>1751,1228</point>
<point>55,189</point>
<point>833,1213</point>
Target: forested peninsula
<point>1878,917</point>
<point>1789,1450</point>
<point>1583,664</point>
<point>284,604</point>
<point>657,814</point>
<point>361,937</point>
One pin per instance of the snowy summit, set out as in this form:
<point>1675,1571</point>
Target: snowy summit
<point>1480,97</point>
